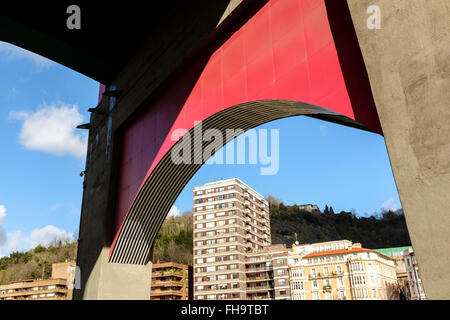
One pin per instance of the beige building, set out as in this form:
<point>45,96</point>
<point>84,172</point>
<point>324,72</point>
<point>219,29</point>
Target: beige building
<point>58,287</point>
<point>339,270</point>
<point>231,220</point>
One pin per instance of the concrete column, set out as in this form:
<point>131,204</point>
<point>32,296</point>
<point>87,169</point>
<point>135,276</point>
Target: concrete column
<point>407,63</point>
<point>170,44</point>
<point>115,281</point>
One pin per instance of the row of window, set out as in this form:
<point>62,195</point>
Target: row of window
<point>219,277</point>
<point>216,250</point>
<point>215,198</point>
<point>222,296</point>
<point>213,190</point>
<point>221,286</point>
<point>214,232</point>
<point>216,268</point>
<point>325,259</point>
<point>216,206</point>
<point>213,224</point>
<point>214,241</point>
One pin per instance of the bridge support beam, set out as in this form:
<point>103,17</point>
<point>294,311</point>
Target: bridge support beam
<point>116,281</point>
<point>186,28</point>
<point>407,62</point>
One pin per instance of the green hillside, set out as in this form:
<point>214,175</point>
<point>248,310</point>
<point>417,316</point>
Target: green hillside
<point>290,223</point>
<point>35,263</point>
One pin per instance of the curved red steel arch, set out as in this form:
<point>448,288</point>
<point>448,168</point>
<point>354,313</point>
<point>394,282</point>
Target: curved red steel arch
<point>292,57</point>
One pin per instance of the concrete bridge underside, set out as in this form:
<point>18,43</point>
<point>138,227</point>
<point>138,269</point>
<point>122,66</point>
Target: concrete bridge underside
<point>392,81</point>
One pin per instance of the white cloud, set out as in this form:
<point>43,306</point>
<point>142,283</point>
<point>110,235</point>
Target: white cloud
<point>48,235</point>
<point>10,51</point>
<point>55,206</point>
<point>17,241</point>
<point>173,212</point>
<point>323,129</point>
<point>2,222</point>
<point>389,205</point>
<point>51,128</point>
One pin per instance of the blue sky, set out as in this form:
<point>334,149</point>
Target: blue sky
<point>42,155</point>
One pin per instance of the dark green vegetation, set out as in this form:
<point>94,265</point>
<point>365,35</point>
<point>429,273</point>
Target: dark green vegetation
<point>289,223</point>
<point>35,263</point>
<point>174,242</point>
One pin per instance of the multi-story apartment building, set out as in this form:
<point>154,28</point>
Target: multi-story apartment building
<point>414,280</point>
<point>267,274</point>
<point>59,287</point>
<point>171,281</point>
<point>339,270</point>
<point>231,220</point>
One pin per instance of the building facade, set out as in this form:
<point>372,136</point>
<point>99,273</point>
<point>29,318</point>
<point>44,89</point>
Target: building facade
<point>339,270</point>
<point>414,280</point>
<point>58,287</point>
<point>396,253</point>
<point>231,220</point>
<point>267,274</point>
<point>171,281</point>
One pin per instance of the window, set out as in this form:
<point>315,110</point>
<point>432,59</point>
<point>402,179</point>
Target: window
<point>316,296</point>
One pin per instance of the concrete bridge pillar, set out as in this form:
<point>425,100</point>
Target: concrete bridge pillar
<point>407,63</point>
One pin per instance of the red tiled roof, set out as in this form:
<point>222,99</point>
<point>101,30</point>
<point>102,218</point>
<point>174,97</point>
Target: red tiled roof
<point>339,251</point>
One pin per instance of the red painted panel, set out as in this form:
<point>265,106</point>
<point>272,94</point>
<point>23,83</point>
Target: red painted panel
<point>285,51</point>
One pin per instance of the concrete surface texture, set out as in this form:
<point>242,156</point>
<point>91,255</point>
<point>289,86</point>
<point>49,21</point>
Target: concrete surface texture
<point>407,60</point>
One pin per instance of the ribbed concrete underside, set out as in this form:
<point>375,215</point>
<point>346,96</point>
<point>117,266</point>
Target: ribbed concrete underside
<point>168,179</point>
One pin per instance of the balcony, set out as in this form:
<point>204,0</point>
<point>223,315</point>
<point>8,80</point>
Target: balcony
<point>327,287</point>
<point>319,275</point>
<point>259,269</point>
<point>260,288</point>
<point>256,279</point>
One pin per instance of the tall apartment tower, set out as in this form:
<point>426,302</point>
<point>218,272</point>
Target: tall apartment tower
<point>231,220</point>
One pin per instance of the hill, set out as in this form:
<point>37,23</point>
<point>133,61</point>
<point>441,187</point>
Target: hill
<point>291,223</point>
<point>35,263</point>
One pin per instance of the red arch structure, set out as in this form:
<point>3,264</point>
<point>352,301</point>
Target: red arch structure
<point>293,57</point>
